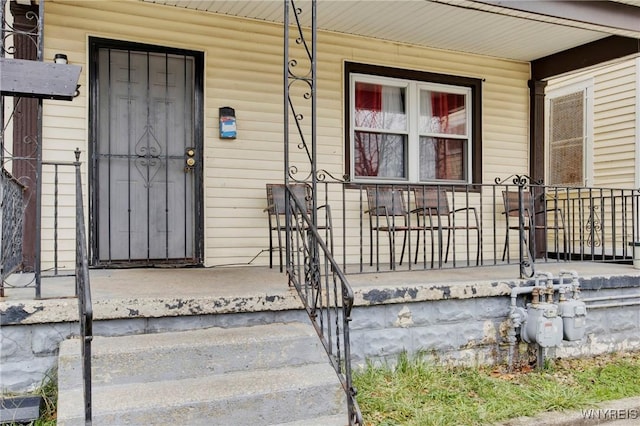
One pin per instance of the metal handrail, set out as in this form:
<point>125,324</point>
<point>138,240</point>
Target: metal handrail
<point>83,292</point>
<point>325,293</point>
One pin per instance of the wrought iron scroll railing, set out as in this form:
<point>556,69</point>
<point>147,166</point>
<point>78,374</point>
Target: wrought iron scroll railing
<point>547,224</point>
<point>324,291</point>
<point>83,291</point>
<point>11,215</point>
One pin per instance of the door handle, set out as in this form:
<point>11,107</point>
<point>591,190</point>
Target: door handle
<point>190,161</point>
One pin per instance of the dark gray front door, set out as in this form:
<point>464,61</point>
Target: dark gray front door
<point>144,189</point>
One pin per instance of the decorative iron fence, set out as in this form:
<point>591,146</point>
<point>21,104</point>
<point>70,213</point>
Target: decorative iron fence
<point>402,227</point>
<point>11,215</point>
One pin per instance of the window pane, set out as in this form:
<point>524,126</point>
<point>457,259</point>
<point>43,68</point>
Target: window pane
<point>442,159</point>
<point>442,112</point>
<point>380,107</point>
<point>380,155</point>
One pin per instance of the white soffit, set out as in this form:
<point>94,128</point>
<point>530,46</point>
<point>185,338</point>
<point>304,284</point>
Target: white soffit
<point>458,25</point>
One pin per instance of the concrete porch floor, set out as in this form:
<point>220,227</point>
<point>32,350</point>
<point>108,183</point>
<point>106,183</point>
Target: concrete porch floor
<point>161,292</point>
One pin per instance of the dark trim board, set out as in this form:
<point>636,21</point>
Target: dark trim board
<point>587,55</point>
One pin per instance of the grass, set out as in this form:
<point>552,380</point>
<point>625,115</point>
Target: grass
<point>49,392</point>
<point>417,392</point>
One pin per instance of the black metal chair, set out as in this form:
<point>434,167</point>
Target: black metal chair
<point>433,212</point>
<point>277,215</point>
<point>536,216</point>
<point>387,213</point>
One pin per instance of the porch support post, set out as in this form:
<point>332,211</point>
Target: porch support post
<point>38,245</point>
<point>306,135</point>
<point>286,95</point>
<point>536,120</point>
<point>536,150</point>
<point>26,138</point>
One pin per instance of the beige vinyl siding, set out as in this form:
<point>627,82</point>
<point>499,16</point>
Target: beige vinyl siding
<point>614,121</point>
<point>614,126</point>
<point>243,69</point>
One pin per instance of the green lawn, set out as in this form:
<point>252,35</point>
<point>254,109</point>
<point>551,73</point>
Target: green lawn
<point>417,392</point>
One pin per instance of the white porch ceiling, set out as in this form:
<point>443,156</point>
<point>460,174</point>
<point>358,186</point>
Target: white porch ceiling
<point>458,25</point>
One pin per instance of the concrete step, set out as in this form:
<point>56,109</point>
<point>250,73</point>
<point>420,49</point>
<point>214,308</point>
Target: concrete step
<point>264,397</point>
<point>177,355</point>
<point>275,374</point>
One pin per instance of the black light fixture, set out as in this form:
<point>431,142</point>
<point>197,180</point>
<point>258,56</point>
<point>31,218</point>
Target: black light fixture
<point>60,58</point>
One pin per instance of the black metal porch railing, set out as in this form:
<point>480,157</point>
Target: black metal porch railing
<point>324,291</point>
<point>401,227</point>
<point>83,292</point>
<point>55,221</point>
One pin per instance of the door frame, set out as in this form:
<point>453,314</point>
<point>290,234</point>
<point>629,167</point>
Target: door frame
<point>96,43</point>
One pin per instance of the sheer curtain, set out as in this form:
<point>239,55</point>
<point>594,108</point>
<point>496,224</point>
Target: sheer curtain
<point>442,113</point>
<point>391,151</point>
<point>427,144</point>
<point>379,154</point>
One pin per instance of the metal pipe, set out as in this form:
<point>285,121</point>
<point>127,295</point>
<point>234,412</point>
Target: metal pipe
<point>625,296</point>
<point>516,317</point>
<point>613,305</point>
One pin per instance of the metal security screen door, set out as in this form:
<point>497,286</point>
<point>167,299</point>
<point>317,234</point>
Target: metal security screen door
<point>146,158</point>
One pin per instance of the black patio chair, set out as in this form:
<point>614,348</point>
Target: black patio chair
<point>387,213</point>
<point>433,214</point>
<point>277,215</point>
<point>536,216</point>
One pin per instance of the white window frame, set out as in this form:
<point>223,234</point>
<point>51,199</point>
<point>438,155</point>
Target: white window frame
<point>413,88</point>
<point>570,87</point>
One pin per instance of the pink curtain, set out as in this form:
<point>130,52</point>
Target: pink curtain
<point>449,155</point>
<point>443,104</point>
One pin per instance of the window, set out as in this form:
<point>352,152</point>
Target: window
<point>568,135</point>
<point>380,130</point>
<point>412,126</point>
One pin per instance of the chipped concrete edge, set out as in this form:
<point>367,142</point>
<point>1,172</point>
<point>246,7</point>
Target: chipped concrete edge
<point>66,309</point>
<point>378,295</point>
